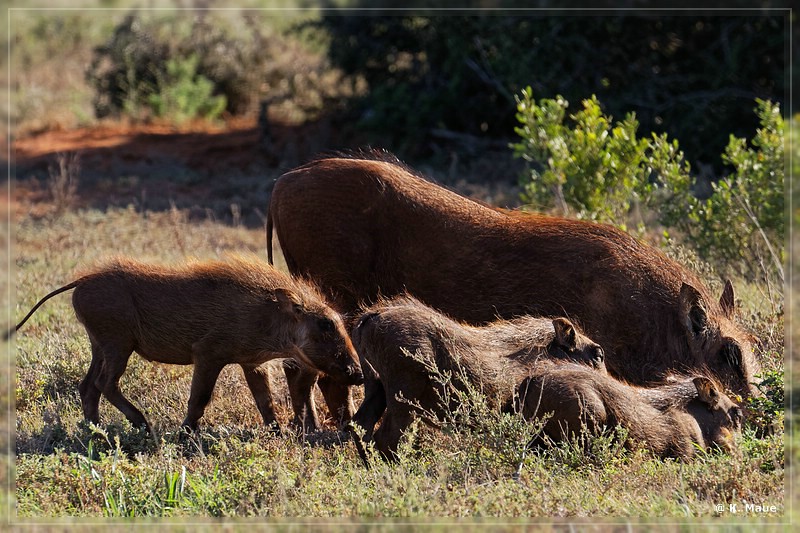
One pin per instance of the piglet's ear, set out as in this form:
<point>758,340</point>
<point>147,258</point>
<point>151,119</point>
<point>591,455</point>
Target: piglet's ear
<point>565,332</point>
<point>706,391</point>
<point>287,302</point>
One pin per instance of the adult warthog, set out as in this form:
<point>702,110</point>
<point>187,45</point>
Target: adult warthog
<point>369,226</point>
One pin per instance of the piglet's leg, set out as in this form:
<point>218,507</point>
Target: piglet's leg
<point>387,438</point>
<point>372,407</point>
<point>204,378</point>
<point>90,394</point>
<point>258,380</point>
<point>115,360</point>
<point>338,397</point>
<point>301,383</point>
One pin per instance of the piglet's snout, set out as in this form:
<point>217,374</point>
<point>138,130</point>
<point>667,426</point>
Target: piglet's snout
<point>354,375</point>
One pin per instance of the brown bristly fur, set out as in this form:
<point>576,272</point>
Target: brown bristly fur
<point>404,345</point>
<point>670,420</point>
<point>364,225</point>
<point>206,313</point>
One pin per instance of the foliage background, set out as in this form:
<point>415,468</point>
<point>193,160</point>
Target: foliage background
<point>685,75</point>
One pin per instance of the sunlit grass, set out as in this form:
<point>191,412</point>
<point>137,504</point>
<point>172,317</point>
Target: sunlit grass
<point>236,468</point>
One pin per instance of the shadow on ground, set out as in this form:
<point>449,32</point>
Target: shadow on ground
<point>225,173</point>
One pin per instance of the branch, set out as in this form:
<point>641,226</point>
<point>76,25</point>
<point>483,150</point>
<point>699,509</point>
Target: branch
<point>485,74</point>
<point>775,259</point>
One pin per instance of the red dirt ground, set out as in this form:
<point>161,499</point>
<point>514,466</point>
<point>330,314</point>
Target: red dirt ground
<point>201,164</point>
<point>116,150</point>
<point>202,147</point>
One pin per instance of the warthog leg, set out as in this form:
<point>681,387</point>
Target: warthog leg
<point>206,372</point>
<point>387,438</point>
<point>338,397</point>
<point>301,382</point>
<point>115,361</point>
<point>90,393</point>
<point>372,408</point>
<point>258,380</point>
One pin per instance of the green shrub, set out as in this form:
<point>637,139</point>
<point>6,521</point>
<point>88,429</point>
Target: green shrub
<point>124,72</point>
<point>600,170</point>
<point>592,166</point>
<point>743,220</point>
<point>182,65</point>
<point>183,94</point>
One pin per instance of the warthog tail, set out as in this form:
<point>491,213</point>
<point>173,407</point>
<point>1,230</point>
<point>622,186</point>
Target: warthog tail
<point>13,330</point>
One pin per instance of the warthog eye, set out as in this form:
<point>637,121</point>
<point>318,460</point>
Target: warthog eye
<point>326,325</point>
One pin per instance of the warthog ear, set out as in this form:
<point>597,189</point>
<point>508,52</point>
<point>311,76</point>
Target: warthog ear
<point>732,354</point>
<point>728,299</point>
<point>706,391</point>
<point>565,332</point>
<point>287,302</point>
<point>692,310</point>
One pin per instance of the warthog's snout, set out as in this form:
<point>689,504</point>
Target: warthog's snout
<point>598,358</point>
<point>355,376</point>
<point>725,441</point>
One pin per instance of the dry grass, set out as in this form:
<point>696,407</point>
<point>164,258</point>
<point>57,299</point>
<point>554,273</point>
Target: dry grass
<point>63,182</point>
<point>235,467</point>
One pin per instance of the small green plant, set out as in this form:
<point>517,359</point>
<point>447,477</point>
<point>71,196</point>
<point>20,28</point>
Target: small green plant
<point>586,450</point>
<point>496,438</point>
<point>174,486</point>
<point>183,94</point>
<point>767,411</point>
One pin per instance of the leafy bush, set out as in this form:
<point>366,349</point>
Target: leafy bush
<point>596,167</point>
<point>685,76</point>
<point>183,94</point>
<point>198,66</point>
<point>124,72</point>
<point>743,220</point>
<point>602,171</point>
